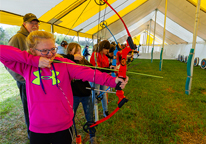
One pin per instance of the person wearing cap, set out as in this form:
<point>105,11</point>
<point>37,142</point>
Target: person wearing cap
<point>30,23</point>
<point>62,48</point>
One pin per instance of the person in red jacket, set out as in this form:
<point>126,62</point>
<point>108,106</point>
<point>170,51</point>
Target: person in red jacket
<point>100,59</point>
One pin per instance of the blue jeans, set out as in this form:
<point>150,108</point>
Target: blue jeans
<point>104,100</point>
<point>86,57</point>
<point>88,109</point>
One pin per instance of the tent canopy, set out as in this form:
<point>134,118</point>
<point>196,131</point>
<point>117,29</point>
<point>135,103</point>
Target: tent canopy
<point>82,17</point>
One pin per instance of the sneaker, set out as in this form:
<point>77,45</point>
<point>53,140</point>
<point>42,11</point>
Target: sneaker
<point>93,140</point>
<point>106,113</point>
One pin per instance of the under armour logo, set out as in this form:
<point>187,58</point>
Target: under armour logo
<point>37,80</point>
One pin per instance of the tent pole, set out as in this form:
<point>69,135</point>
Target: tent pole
<point>78,36</point>
<point>163,42</point>
<point>146,39</point>
<point>92,40</point>
<point>190,63</point>
<point>52,28</point>
<point>149,34</point>
<point>154,35</point>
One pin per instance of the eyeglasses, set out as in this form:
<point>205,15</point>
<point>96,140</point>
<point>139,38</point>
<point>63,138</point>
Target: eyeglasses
<point>34,23</point>
<point>46,51</point>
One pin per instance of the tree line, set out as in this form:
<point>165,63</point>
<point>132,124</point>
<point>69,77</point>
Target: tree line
<point>7,33</point>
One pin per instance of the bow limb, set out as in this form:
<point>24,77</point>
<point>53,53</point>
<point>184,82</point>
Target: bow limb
<point>120,104</point>
<point>122,71</point>
<point>125,51</point>
<point>129,39</point>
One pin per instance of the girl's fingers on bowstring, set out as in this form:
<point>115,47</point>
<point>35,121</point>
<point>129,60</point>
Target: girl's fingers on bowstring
<point>44,62</point>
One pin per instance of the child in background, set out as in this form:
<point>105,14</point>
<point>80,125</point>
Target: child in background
<point>62,48</point>
<point>100,59</point>
<point>80,93</point>
<point>111,53</point>
<point>48,85</point>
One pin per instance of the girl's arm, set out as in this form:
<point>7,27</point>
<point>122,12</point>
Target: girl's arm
<point>87,74</point>
<point>17,60</point>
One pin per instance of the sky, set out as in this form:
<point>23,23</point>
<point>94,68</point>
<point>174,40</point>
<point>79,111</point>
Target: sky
<point>5,25</point>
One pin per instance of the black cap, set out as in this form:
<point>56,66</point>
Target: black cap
<point>30,17</point>
<point>63,43</point>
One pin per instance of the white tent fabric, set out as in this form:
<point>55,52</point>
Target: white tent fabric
<point>21,7</point>
<point>172,51</point>
<point>171,26</point>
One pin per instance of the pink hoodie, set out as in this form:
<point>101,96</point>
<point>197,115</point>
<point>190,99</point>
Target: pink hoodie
<point>53,111</point>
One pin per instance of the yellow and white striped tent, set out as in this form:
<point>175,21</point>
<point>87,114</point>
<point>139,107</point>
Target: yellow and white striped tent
<point>61,16</point>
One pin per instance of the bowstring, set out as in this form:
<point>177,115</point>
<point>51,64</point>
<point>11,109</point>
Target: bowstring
<point>72,41</point>
<point>97,51</point>
<point>95,58</point>
<point>97,46</point>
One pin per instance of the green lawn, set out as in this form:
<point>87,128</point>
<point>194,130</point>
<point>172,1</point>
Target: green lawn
<point>12,126</point>
<point>158,110</point>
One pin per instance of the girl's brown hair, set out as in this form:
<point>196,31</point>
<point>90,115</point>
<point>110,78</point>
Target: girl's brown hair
<point>71,46</point>
<point>95,48</point>
<point>103,45</point>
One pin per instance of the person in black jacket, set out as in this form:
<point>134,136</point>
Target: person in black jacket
<point>80,93</point>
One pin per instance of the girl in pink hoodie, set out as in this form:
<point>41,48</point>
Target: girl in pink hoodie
<point>48,86</point>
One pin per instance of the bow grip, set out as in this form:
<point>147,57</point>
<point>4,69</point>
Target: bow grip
<point>122,102</point>
<point>118,84</point>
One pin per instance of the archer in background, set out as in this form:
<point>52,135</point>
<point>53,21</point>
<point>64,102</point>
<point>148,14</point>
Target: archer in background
<point>80,93</point>
<point>137,49</point>
<point>49,92</point>
<point>85,52</point>
<point>100,59</point>
<point>111,53</point>
<point>62,48</point>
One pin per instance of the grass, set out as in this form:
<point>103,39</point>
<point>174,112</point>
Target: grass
<point>12,126</point>
<point>158,110</point>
